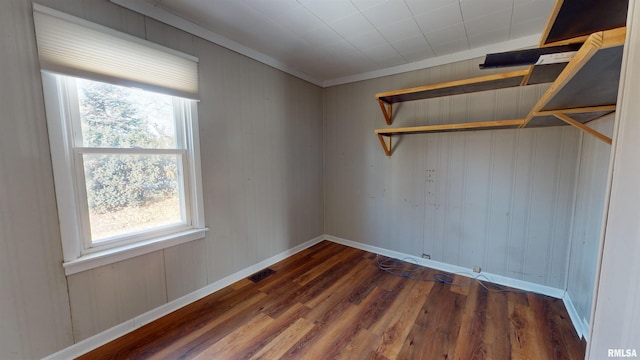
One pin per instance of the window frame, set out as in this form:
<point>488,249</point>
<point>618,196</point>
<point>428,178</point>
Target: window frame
<point>80,253</point>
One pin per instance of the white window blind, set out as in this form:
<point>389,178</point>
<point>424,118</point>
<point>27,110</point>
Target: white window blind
<point>76,47</point>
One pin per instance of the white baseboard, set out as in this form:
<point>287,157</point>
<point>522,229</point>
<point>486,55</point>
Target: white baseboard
<point>497,279</point>
<point>86,345</point>
<point>581,325</point>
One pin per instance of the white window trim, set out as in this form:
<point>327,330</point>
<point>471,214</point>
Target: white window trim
<point>112,255</point>
<point>76,258</point>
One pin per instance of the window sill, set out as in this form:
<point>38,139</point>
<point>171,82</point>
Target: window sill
<point>110,256</point>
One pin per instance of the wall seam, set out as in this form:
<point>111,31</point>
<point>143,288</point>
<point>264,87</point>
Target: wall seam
<point>578,169</point>
<point>324,160</point>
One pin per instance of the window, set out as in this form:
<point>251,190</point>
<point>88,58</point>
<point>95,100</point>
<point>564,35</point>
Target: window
<point>126,158</point>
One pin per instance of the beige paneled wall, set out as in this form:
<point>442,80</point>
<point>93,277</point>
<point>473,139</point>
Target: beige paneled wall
<point>263,181</point>
<point>34,306</point>
<point>591,189</point>
<point>261,149</point>
<point>500,199</point>
<point>109,295</point>
<point>185,268</point>
<point>614,325</point>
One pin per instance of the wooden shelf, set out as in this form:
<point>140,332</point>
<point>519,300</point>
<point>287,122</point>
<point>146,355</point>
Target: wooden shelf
<point>587,88</point>
<point>482,83</point>
<point>453,87</point>
<point>581,115</point>
<point>572,20</point>
<point>484,125</point>
<point>584,89</point>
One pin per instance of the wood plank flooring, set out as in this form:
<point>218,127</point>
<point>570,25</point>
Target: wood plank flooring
<point>332,302</point>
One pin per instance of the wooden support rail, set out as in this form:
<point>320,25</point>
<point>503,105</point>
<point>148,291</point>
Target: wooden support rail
<point>386,111</point>
<point>489,82</point>
<point>596,42</point>
<point>583,127</point>
<point>576,110</point>
<point>584,90</point>
<point>483,125</point>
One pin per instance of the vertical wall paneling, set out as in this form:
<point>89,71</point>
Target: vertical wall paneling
<point>564,199</point>
<point>218,198</point>
<point>262,155</point>
<point>476,195</point>
<point>523,173</point>
<point>497,199</point>
<point>262,143</point>
<point>162,34</point>
<point>453,176</point>
<point>501,194</point>
<point>104,13</point>
<point>403,202</point>
<point>275,120</point>
<point>34,305</point>
<point>185,268</point>
<point>587,221</point>
<point>615,313</point>
<point>109,295</point>
<point>540,216</point>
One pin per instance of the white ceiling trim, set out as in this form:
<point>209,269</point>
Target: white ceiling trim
<point>166,17</point>
<point>509,45</point>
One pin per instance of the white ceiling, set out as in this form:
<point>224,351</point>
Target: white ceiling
<point>336,41</point>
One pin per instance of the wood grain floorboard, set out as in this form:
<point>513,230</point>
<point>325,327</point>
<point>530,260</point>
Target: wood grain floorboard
<point>473,326</point>
<point>497,336</point>
<point>439,321</point>
<point>333,302</point>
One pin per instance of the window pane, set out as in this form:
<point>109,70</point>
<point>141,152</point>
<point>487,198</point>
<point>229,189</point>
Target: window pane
<point>121,117</point>
<point>130,193</point>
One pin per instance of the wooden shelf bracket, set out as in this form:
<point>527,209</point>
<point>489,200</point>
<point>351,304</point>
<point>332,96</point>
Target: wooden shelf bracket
<point>595,42</point>
<point>583,90</point>
<point>583,127</point>
<point>386,111</point>
<point>385,147</point>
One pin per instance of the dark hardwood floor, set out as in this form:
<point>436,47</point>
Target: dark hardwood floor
<point>332,302</point>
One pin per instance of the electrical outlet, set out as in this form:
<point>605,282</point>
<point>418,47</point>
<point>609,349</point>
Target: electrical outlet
<point>477,269</point>
<point>426,256</point>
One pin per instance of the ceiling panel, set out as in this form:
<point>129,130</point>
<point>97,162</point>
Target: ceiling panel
<point>488,38</point>
<point>294,18</point>
<point>499,20</point>
<point>523,11</point>
<point>455,32</point>
<point>413,49</point>
<point>372,33</point>
<point>389,12</point>
<point>385,55</point>
<point>472,9</point>
<point>450,47</point>
<point>526,27</point>
<point>365,4</point>
<point>400,30</point>
<point>320,36</point>
<point>421,6</point>
<point>330,10</point>
<point>352,25</point>
<point>439,18</point>
<point>271,8</point>
<point>368,40</point>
